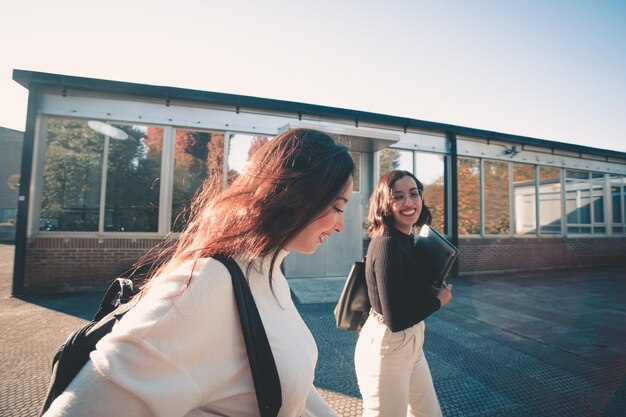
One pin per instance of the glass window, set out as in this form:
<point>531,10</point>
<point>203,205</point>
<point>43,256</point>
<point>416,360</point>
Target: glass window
<point>72,176</point>
<point>496,195</point>
<point>597,184</point>
<point>549,200</point>
<point>73,168</point>
<point>616,199</point>
<point>577,201</point>
<point>133,180</point>
<point>524,199</point>
<point>469,196</point>
<point>241,149</point>
<point>584,204</point>
<point>617,203</point>
<point>430,170</point>
<point>197,156</point>
<point>356,183</point>
<point>391,159</point>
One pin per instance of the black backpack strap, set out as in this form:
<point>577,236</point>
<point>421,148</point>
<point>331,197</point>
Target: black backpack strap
<point>74,353</point>
<point>262,364</point>
<point>118,293</point>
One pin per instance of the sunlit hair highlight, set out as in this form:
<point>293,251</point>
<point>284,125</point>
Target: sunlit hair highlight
<point>290,181</point>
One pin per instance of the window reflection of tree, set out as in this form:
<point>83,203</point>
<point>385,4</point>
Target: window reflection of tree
<point>468,196</point>
<point>255,145</point>
<point>198,157</point>
<point>389,160</point>
<point>133,180</point>
<point>433,198</point>
<point>72,176</point>
<point>430,171</point>
<point>496,195</point>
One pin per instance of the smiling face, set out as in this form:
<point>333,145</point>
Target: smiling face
<point>405,210</point>
<point>316,232</point>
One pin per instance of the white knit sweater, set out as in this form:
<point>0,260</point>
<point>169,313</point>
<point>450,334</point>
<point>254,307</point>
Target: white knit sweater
<point>180,351</point>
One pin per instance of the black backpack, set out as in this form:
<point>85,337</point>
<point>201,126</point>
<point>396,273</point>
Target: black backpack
<point>74,353</point>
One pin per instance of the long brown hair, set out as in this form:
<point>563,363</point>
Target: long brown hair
<point>291,180</point>
<point>380,217</point>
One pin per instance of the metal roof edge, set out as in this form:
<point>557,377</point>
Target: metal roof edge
<point>25,78</point>
<point>10,130</point>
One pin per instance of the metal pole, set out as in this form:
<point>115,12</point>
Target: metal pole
<point>21,226</point>
<point>453,218</point>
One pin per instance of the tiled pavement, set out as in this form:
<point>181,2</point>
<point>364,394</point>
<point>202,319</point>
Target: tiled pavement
<point>545,343</point>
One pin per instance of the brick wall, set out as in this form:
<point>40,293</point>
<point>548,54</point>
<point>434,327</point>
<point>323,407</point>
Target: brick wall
<point>500,254</point>
<point>67,264</point>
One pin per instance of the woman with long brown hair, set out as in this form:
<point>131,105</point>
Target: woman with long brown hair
<point>391,369</point>
<point>179,351</point>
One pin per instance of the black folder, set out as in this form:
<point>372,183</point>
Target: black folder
<point>435,254</point>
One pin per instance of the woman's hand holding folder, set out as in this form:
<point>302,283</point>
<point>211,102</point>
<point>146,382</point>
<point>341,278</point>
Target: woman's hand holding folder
<point>444,293</point>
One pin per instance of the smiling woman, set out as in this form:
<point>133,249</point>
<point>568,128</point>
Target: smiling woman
<point>407,204</point>
<point>290,198</point>
<point>389,347</point>
<point>316,232</point>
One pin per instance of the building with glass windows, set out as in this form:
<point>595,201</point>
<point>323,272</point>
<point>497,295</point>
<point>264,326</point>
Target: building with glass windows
<point>10,157</point>
<point>109,167</point>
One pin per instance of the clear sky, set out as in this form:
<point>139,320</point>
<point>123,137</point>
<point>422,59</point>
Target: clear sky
<point>548,69</point>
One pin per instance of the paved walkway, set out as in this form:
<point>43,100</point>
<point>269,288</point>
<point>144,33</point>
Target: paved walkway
<point>549,343</point>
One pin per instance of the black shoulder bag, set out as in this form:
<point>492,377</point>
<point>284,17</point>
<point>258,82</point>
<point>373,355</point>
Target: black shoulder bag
<point>74,353</point>
<point>353,306</point>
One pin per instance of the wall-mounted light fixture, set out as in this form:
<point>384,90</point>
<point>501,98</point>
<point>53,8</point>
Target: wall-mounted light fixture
<point>512,151</point>
<point>108,130</point>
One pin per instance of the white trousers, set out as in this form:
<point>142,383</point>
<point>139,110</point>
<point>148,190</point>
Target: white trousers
<point>392,372</point>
